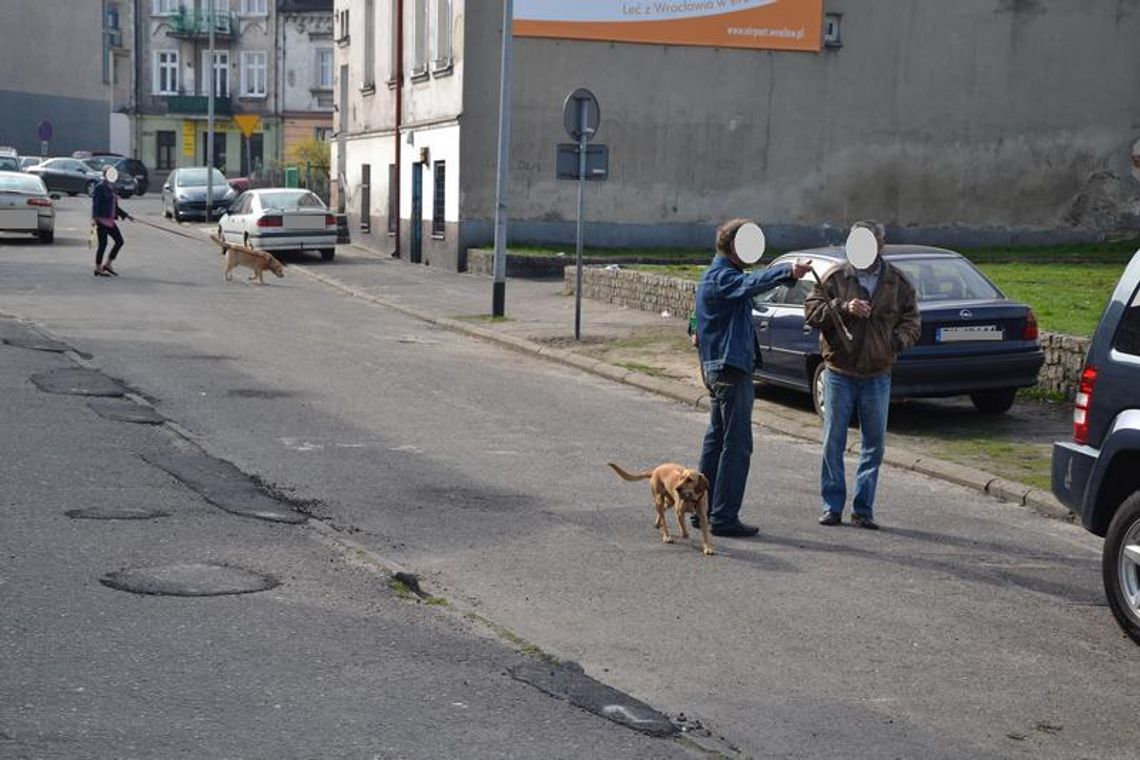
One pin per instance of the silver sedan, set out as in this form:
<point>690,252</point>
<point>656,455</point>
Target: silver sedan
<point>26,206</point>
<point>280,219</point>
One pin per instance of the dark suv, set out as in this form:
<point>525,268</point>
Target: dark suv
<point>1097,475</point>
<point>131,166</point>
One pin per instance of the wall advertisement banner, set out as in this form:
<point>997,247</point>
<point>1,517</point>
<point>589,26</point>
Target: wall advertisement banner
<point>757,24</point>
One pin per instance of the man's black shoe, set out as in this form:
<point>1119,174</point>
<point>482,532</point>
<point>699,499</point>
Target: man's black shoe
<point>867,522</point>
<point>829,518</point>
<point>735,530</point>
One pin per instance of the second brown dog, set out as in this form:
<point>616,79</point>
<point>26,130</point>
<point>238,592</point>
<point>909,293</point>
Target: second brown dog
<point>678,487</point>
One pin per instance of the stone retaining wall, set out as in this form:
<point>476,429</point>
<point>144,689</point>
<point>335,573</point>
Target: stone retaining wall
<point>1064,354</point>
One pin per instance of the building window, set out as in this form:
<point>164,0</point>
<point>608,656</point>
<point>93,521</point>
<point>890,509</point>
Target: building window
<point>442,58</point>
<point>369,79</point>
<point>420,42</point>
<point>164,157</point>
<point>166,72</point>
<point>324,134</point>
<point>393,210</point>
<point>394,43</point>
<point>438,206</point>
<point>221,73</point>
<point>324,69</point>
<point>253,75</point>
<point>164,7</point>
<point>342,22</point>
<point>253,8</point>
<point>832,36</point>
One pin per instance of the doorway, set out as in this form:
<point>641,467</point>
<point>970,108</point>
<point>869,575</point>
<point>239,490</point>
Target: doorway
<point>417,213</point>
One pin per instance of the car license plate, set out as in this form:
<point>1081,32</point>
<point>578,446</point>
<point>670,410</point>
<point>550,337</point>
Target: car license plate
<point>19,219</point>
<point>304,222</point>
<point>971,332</point>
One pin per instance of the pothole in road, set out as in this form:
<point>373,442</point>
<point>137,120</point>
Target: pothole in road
<point>78,382</point>
<point>189,580</point>
<point>120,410</point>
<point>115,513</point>
<point>38,344</point>
<point>258,393</point>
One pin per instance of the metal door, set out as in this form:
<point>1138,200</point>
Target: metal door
<point>417,213</point>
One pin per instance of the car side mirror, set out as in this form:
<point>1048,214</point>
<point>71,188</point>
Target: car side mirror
<point>166,187</point>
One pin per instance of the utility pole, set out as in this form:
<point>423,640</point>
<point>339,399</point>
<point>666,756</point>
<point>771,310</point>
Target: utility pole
<point>212,74</point>
<point>499,289</point>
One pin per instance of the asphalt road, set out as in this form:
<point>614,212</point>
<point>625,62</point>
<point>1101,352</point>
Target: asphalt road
<point>967,628</point>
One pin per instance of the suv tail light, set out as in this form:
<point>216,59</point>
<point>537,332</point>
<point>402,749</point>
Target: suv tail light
<point>1081,405</point>
<point>1030,332</point>
<point>269,221</point>
<point>330,220</point>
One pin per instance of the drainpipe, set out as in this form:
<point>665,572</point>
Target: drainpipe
<point>399,109</point>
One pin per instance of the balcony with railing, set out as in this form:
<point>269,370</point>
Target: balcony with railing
<point>191,24</point>
<point>197,105</point>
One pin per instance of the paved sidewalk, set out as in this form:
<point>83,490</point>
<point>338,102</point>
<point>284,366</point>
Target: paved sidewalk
<point>540,320</point>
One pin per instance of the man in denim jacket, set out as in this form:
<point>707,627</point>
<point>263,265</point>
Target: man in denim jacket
<point>726,342</point>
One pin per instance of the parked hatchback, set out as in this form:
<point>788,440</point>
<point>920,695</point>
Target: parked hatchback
<point>1097,474</point>
<point>184,193</point>
<point>281,219</point>
<point>974,340</point>
<point>127,167</point>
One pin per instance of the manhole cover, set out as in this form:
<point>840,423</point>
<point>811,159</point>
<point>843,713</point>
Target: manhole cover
<point>114,513</point>
<point>121,410</point>
<point>77,382</point>
<point>188,580</point>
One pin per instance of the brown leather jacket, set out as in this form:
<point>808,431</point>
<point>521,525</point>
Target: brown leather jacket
<point>893,326</point>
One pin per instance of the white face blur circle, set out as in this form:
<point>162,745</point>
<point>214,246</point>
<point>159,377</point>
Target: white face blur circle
<point>748,244</point>
<point>862,248</point>
<point>112,174</point>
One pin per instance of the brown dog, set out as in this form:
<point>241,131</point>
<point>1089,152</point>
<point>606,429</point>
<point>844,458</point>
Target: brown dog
<point>256,260</point>
<point>683,489</point>
<point>251,258</point>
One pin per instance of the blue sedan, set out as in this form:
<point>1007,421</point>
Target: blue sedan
<point>974,340</point>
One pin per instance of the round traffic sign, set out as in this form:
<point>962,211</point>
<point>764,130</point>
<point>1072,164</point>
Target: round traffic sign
<point>44,131</point>
<point>581,115</point>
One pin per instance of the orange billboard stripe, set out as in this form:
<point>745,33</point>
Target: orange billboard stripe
<point>782,26</point>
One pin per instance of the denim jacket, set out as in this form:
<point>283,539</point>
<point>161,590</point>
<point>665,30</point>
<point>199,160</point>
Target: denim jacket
<point>725,335</point>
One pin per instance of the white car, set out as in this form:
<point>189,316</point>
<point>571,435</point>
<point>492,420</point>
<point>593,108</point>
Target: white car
<point>280,219</point>
<point>26,206</point>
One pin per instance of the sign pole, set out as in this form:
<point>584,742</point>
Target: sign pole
<point>211,72</point>
<point>499,288</point>
<point>582,137</point>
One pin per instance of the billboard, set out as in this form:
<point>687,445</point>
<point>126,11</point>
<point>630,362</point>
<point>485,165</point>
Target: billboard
<point>757,24</point>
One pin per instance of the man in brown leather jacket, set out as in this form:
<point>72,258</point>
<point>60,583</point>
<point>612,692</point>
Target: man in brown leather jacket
<point>877,305</point>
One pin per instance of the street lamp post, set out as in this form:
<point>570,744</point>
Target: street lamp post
<point>499,289</point>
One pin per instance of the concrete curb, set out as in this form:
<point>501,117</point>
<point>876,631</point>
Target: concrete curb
<point>1023,495</point>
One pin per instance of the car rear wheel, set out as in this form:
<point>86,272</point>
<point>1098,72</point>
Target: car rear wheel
<point>817,389</point>
<point>327,254</point>
<point>1120,566</point>
<point>994,402</point>
<point>46,236</point>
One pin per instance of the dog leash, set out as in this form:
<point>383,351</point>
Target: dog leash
<point>165,229</point>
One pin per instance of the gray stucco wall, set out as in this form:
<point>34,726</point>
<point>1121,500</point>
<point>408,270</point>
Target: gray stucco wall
<point>960,123</point>
<point>52,58</point>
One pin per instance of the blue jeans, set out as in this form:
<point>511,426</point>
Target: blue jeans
<point>842,396</point>
<point>727,449</point>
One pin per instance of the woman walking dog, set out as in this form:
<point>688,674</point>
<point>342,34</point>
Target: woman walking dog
<point>105,212</point>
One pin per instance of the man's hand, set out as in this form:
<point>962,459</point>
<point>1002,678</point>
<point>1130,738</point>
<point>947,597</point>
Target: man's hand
<point>801,268</point>
<point>858,307</point>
